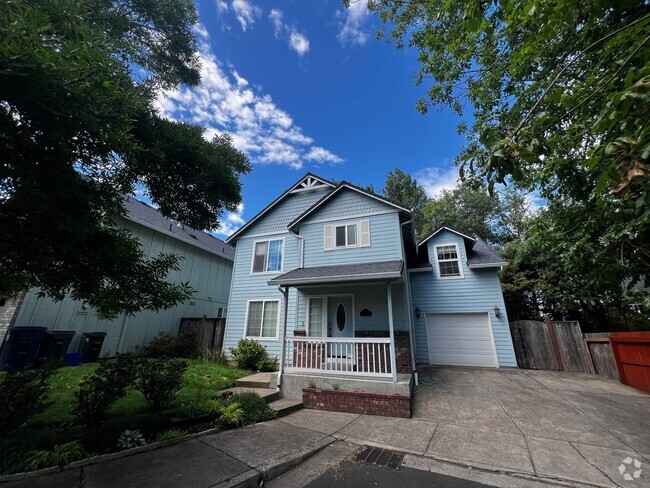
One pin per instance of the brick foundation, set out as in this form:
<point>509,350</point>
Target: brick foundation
<point>357,402</point>
<point>402,348</point>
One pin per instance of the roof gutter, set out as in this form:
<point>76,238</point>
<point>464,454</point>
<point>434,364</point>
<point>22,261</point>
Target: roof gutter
<point>487,265</point>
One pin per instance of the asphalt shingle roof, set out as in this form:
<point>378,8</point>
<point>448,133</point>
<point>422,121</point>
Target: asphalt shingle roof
<point>340,273</point>
<point>141,212</point>
<point>482,255</point>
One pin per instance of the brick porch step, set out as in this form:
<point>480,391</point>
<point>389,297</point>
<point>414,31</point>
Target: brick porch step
<point>258,380</point>
<point>268,394</point>
<point>285,406</point>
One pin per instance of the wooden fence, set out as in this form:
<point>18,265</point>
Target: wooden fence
<point>555,346</point>
<point>602,356</point>
<point>209,331</point>
<point>632,354</point>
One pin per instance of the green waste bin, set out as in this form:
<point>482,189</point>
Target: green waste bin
<point>91,345</point>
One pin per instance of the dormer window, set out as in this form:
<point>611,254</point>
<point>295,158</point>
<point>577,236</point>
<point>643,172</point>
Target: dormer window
<point>267,256</point>
<point>448,261</point>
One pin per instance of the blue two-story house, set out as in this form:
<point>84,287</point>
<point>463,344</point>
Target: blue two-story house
<point>330,279</point>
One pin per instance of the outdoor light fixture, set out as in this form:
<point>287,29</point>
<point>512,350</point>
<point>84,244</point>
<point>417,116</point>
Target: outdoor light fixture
<point>301,325</point>
<point>497,311</point>
<point>417,312</point>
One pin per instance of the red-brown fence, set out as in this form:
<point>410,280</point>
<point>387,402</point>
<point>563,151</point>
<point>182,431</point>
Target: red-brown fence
<point>632,355</point>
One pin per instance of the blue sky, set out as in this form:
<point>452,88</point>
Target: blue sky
<point>305,86</point>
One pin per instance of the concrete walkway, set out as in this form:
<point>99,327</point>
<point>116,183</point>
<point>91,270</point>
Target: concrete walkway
<point>533,424</point>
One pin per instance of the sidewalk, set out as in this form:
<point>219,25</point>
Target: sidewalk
<point>239,457</point>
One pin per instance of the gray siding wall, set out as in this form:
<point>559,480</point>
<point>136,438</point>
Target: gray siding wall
<point>478,291</point>
<point>207,273</point>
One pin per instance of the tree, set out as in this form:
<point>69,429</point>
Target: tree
<point>79,129</point>
<point>468,208</point>
<point>515,214</point>
<point>559,98</point>
<point>404,190</point>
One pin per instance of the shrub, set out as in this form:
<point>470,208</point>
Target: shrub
<point>249,354</point>
<point>22,395</point>
<point>268,364</point>
<point>170,434</point>
<point>254,407</point>
<point>60,455</point>
<point>181,345</point>
<point>160,380</point>
<point>213,356</point>
<point>104,437</point>
<point>16,449</point>
<point>109,383</point>
<point>232,414</point>
<point>130,438</point>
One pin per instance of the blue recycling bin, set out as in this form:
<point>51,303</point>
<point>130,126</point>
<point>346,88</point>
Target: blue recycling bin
<point>21,347</point>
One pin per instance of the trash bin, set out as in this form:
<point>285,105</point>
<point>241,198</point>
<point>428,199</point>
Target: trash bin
<point>91,345</point>
<point>21,347</point>
<point>55,344</point>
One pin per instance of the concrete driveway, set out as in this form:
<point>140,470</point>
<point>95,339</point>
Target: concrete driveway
<point>538,424</point>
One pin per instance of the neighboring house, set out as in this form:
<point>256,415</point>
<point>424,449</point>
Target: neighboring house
<point>340,267</point>
<point>207,266</point>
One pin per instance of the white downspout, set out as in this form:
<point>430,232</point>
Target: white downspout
<point>285,309</point>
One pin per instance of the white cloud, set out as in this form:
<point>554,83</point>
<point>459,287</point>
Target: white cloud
<point>353,28</point>
<point>226,102</point>
<point>321,155</point>
<point>437,178</point>
<point>222,6</point>
<point>231,221</point>
<point>297,40</point>
<point>245,12</point>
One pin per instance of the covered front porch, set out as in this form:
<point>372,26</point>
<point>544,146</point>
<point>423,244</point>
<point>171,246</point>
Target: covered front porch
<point>349,331</point>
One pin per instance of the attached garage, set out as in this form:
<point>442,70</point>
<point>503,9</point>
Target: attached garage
<point>460,339</point>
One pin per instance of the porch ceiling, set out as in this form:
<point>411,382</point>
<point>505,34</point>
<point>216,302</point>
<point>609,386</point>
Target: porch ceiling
<point>363,272</point>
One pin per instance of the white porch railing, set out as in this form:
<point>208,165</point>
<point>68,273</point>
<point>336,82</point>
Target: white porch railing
<point>353,356</point>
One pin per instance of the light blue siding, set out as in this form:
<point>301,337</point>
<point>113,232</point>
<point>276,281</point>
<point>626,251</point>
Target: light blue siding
<point>208,274</point>
<point>247,286</point>
<point>478,291</point>
<point>277,219</point>
<point>385,232</point>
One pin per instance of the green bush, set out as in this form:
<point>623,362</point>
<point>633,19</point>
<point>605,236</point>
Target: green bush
<point>250,354</point>
<point>16,448</point>
<point>22,395</point>
<point>160,380</point>
<point>104,437</point>
<point>254,407</point>
<point>59,455</point>
<point>181,345</point>
<point>232,414</point>
<point>213,356</point>
<point>268,364</point>
<point>109,383</point>
<point>130,438</point>
<point>170,434</point>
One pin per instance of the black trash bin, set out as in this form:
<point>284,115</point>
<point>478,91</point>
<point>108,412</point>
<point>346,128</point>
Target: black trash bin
<point>21,347</point>
<point>55,344</point>
<point>91,345</point>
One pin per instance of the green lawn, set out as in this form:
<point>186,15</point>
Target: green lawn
<point>201,380</point>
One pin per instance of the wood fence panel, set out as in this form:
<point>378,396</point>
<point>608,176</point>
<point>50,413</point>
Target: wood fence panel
<point>632,354</point>
<point>533,345</point>
<point>572,348</point>
<point>602,357</point>
<point>209,331</point>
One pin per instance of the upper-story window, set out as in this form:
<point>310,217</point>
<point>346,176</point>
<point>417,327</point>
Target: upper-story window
<point>267,256</point>
<point>448,260</point>
<point>350,234</point>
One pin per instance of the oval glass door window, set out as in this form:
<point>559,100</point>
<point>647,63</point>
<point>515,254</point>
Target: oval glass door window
<point>340,317</point>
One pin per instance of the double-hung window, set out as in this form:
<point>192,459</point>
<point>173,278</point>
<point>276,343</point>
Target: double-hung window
<point>346,235</point>
<point>448,261</point>
<point>267,256</point>
<point>262,319</point>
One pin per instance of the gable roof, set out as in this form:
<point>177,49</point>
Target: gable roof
<point>146,215</point>
<point>468,239</point>
<point>339,188</point>
<point>303,184</point>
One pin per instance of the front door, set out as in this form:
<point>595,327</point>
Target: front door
<point>340,316</point>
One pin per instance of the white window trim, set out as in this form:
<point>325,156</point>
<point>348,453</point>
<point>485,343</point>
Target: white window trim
<point>261,273</point>
<point>309,297</point>
<point>460,262</point>
<point>345,224</point>
<point>277,325</point>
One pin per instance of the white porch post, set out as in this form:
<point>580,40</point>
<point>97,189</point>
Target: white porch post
<point>285,312</point>
<point>393,359</point>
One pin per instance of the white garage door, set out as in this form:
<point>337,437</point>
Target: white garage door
<point>460,339</point>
